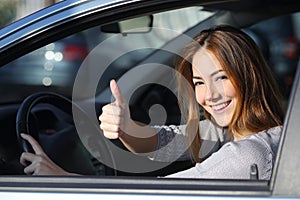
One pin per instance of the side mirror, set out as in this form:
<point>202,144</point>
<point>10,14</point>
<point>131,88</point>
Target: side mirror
<point>136,25</point>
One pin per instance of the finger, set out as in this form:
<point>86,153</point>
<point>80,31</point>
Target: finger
<point>111,120</point>
<point>110,127</point>
<point>23,160</point>
<point>116,92</point>
<point>26,158</point>
<point>111,135</point>
<point>112,109</point>
<point>29,170</point>
<point>35,145</point>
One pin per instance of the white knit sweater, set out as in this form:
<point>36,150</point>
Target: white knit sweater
<point>222,159</point>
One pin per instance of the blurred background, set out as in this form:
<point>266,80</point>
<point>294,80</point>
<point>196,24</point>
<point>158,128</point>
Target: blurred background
<point>11,10</point>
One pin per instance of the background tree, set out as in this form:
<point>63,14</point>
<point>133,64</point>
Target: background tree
<point>7,11</point>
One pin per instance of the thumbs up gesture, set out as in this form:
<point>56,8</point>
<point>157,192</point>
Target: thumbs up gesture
<point>115,116</point>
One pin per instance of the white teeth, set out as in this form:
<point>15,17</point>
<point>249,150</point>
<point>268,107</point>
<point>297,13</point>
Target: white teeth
<point>220,106</point>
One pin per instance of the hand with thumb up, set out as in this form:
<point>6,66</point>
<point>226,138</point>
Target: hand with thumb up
<point>115,116</point>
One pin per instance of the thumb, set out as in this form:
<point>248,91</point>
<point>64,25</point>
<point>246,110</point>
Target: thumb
<point>116,92</point>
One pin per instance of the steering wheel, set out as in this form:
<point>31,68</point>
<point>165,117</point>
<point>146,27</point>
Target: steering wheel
<point>24,124</point>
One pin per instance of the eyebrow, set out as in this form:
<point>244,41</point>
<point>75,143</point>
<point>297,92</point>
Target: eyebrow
<point>212,74</point>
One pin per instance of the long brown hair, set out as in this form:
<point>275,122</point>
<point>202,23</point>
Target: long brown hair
<point>259,101</point>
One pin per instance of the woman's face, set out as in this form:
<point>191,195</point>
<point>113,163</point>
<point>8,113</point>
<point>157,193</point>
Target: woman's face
<point>214,91</point>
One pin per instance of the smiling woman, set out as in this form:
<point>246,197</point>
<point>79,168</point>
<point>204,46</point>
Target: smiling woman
<point>228,70</point>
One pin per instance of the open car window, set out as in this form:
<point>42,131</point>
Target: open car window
<point>80,67</point>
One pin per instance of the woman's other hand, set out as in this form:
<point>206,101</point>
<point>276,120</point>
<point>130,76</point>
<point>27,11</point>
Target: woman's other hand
<point>40,163</point>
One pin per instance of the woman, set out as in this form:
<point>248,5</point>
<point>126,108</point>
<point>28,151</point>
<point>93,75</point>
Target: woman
<point>235,87</point>
<point>231,81</point>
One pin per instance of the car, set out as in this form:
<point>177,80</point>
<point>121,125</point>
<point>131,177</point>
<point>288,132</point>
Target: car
<point>55,69</point>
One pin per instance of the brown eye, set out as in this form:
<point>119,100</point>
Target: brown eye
<point>224,77</point>
<point>198,83</point>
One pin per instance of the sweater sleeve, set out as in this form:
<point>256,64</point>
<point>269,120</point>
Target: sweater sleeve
<point>234,159</point>
<point>173,144</point>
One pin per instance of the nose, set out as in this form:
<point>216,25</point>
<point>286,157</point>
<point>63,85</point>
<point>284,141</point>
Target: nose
<point>212,93</point>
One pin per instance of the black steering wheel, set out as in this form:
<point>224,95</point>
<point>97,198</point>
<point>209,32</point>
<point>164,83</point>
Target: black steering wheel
<point>25,124</point>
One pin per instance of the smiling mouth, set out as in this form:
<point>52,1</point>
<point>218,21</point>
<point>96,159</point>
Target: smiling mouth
<point>220,107</point>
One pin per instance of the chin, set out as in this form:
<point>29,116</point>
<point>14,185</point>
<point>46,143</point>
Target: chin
<point>222,123</point>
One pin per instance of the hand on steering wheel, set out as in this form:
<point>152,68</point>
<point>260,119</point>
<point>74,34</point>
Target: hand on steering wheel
<point>39,162</point>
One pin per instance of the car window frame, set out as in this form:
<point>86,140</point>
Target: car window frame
<point>285,179</point>
<point>163,186</point>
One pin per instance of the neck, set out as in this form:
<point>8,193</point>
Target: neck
<point>241,134</point>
